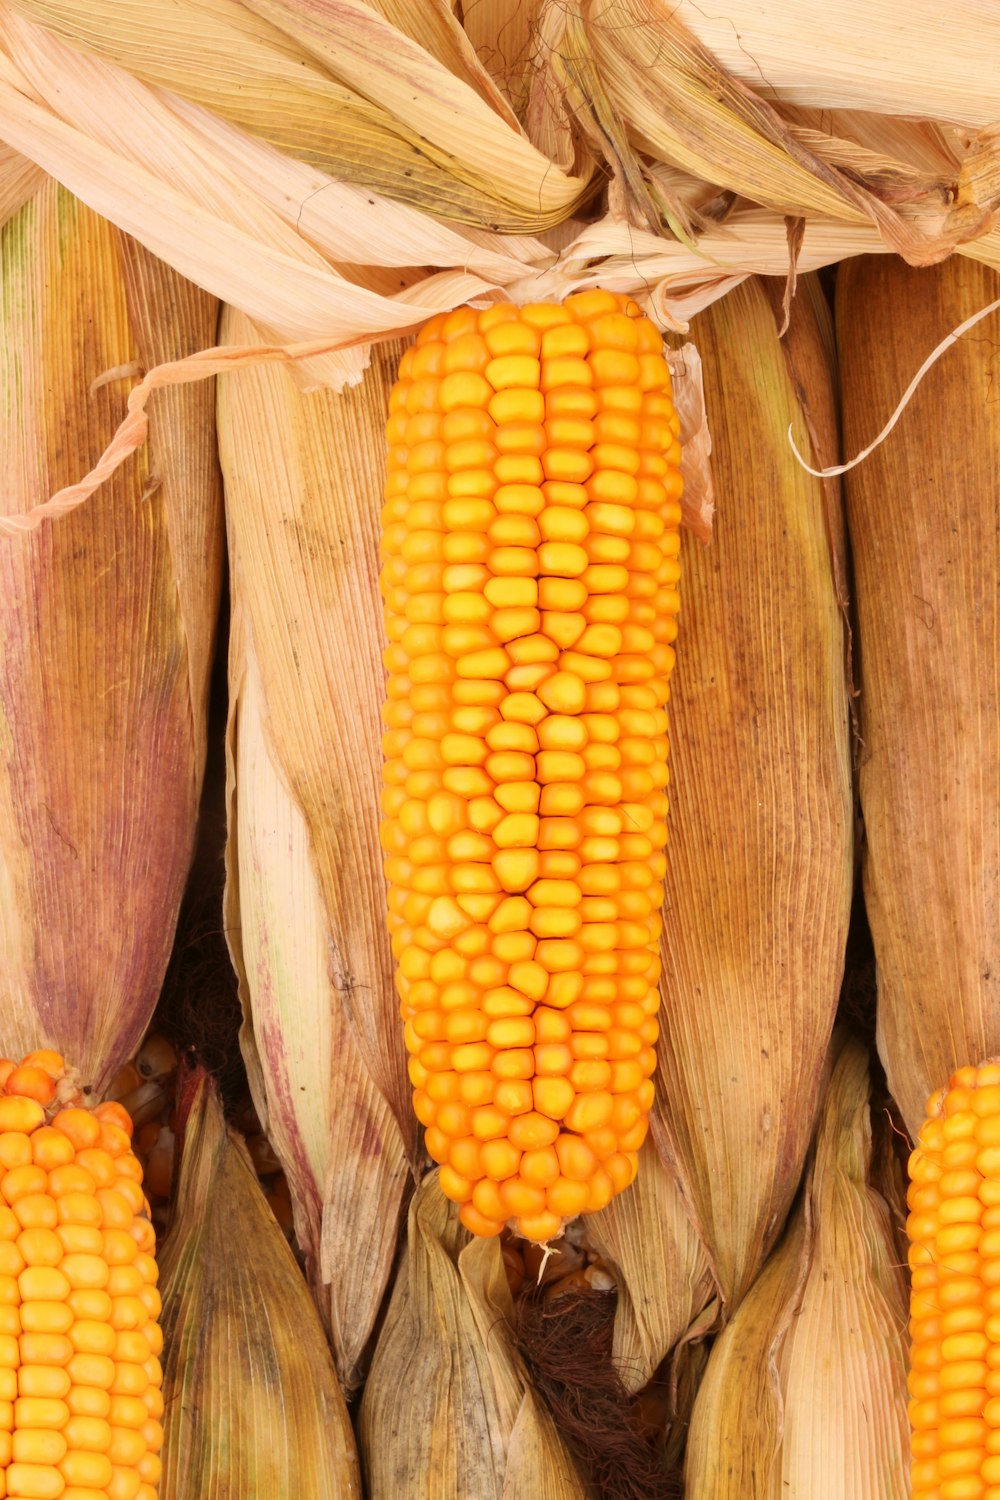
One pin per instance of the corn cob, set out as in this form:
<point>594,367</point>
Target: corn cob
<point>530,565</point>
<point>80,1402</point>
<point>954,1230</point>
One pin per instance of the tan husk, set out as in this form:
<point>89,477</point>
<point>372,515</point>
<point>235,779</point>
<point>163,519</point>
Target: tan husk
<point>805,1393</point>
<point>447,1412</point>
<point>759,861</point>
<point>293,247</point>
<point>659,1263</point>
<point>850,57</point>
<point>305,897</point>
<point>923,520</point>
<point>338,87</point>
<point>106,634</point>
<point>253,1410</point>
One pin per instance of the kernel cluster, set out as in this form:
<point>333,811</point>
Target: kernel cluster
<point>80,1376</point>
<point>530,567</point>
<point>954,1232</point>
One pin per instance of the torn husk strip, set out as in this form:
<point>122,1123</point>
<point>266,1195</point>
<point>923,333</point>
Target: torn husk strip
<point>305,895</point>
<point>759,860</point>
<point>805,1393</point>
<point>659,1263</point>
<point>106,634</point>
<point>253,1408</point>
<point>923,521</point>
<point>447,1412</point>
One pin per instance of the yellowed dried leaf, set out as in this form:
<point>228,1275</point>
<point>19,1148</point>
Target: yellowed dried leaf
<point>252,1406</point>
<point>759,863</point>
<point>446,1383</point>
<point>347,93</point>
<point>804,1397</point>
<point>303,481</point>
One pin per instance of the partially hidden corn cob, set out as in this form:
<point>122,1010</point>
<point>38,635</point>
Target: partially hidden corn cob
<point>530,566</point>
<point>80,1377</point>
<point>954,1231</point>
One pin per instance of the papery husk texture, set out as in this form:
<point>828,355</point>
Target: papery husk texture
<point>759,862</point>
<point>804,1397</point>
<point>107,625</point>
<point>253,1410</point>
<point>923,516</point>
<point>447,1412</point>
<point>305,896</point>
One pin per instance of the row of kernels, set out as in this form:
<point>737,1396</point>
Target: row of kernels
<point>954,1226</point>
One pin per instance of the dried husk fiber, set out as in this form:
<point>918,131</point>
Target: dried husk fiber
<point>926,541</point>
<point>447,1411</point>
<point>305,899</point>
<point>759,862</point>
<point>804,1397</point>
<point>253,1410</point>
<point>107,624</point>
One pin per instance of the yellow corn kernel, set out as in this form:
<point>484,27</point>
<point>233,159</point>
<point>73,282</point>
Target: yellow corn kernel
<point>529,574</point>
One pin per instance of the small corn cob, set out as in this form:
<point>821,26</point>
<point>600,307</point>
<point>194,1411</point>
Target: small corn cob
<point>954,1231</point>
<point>530,565</point>
<point>80,1402</point>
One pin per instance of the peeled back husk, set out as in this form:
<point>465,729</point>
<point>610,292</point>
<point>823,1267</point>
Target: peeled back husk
<point>107,622</point>
<point>305,897</point>
<point>804,1397</point>
<point>759,861</point>
<point>253,1407</point>
<point>448,1412</point>
<point>922,511</point>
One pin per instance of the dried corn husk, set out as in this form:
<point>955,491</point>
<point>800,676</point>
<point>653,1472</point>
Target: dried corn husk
<point>447,1412</point>
<point>804,1397</point>
<point>923,520</point>
<point>341,88</point>
<point>852,58</point>
<point>294,243</point>
<point>759,861</point>
<point>305,897</point>
<point>106,633</point>
<point>253,1410</point>
<point>659,1263</point>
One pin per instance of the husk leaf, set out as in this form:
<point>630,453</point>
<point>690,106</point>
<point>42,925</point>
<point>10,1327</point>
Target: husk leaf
<point>851,57</point>
<point>106,635</point>
<point>253,1408</point>
<point>446,1384</point>
<point>305,891</point>
<point>923,520</point>
<point>20,180</point>
<point>338,87</point>
<point>663,1275</point>
<point>805,1393</point>
<point>759,862</point>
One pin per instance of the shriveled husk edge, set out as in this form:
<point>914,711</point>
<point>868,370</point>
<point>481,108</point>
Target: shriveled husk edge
<point>305,895</point>
<point>759,863</point>
<point>805,1391</point>
<point>253,1410</point>
<point>108,626</point>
